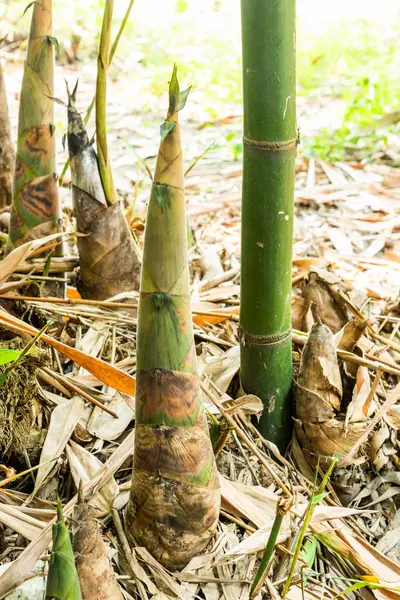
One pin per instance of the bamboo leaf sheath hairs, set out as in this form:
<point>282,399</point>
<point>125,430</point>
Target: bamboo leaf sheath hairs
<point>35,208</point>
<point>269,150</point>
<point>174,504</point>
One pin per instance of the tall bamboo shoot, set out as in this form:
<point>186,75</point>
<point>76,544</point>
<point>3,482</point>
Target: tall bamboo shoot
<point>35,209</point>
<point>174,503</point>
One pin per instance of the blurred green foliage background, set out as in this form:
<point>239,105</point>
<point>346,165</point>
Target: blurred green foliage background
<point>348,56</point>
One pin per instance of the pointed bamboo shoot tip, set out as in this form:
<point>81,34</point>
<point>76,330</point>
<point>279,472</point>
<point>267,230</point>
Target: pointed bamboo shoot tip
<point>81,495</point>
<point>60,517</point>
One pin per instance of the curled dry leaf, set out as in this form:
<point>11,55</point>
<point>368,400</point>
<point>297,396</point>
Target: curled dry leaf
<point>321,289</point>
<point>392,417</point>
<point>249,404</point>
<point>378,438</point>
<point>223,368</point>
<point>107,427</point>
<point>362,406</point>
<point>349,335</point>
<point>319,385</point>
<point>84,466</point>
<point>300,307</point>
<point>320,430</point>
<point>64,419</point>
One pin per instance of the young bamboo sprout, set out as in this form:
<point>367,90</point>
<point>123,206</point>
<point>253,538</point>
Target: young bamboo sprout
<point>175,498</point>
<point>7,154</point>
<point>62,579</point>
<point>35,208</point>
<point>269,150</point>
<point>108,261</point>
<point>96,576</point>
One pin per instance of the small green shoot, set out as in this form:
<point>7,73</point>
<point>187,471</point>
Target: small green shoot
<point>282,508</point>
<point>317,495</point>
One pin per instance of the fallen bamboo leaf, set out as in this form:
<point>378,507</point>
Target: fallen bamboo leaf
<point>27,526</point>
<point>64,419</point>
<point>32,589</point>
<point>105,372</point>
<point>361,406</point>
<point>10,263</point>
<point>84,466</point>
<point>105,426</point>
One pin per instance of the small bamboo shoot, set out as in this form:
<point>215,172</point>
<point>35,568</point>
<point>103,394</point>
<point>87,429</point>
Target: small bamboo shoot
<point>62,579</point>
<point>108,261</point>
<point>96,576</point>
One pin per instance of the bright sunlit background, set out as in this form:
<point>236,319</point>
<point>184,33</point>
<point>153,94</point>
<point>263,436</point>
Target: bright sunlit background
<point>348,63</point>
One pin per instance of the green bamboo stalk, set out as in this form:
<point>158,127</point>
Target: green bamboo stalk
<point>175,498</point>
<point>35,209</point>
<point>62,579</point>
<point>103,62</point>
<point>269,149</point>
<point>112,53</point>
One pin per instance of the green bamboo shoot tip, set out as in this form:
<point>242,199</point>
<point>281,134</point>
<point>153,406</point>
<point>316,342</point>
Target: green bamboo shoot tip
<point>174,503</point>
<point>62,579</point>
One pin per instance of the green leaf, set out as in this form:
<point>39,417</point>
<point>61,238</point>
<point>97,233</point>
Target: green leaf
<point>161,193</point>
<point>166,128</point>
<point>173,92</point>
<point>58,100</point>
<point>319,497</point>
<point>7,355</point>
<point>309,550</point>
<point>28,6</point>
<point>183,96</point>
<point>47,265</point>
<point>352,588</point>
<point>53,40</point>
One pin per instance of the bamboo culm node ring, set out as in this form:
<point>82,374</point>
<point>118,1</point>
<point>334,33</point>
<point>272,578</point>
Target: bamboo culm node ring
<point>253,340</point>
<point>264,146</point>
